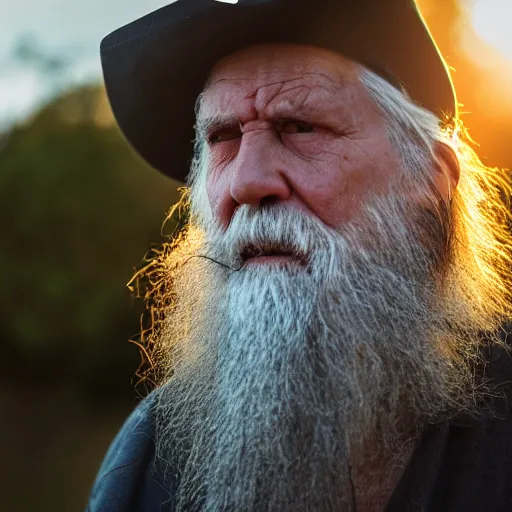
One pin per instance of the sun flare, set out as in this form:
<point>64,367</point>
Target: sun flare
<point>491,21</point>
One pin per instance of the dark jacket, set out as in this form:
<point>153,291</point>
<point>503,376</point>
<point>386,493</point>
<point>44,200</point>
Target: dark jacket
<point>461,466</point>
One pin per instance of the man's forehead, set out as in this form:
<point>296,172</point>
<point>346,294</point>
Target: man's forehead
<point>242,74</point>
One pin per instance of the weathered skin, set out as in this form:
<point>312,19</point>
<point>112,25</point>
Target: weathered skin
<point>295,124</point>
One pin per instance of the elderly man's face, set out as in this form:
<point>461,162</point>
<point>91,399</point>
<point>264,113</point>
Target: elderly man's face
<point>293,124</point>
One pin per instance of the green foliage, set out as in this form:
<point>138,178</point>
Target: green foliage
<point>79,209</point>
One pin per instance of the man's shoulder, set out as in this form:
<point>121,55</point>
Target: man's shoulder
<point>127,462</point>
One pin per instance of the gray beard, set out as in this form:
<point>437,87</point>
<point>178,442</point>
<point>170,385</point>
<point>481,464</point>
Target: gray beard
<point>284,376</point>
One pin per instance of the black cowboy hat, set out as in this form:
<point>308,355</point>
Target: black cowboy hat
<point>155,67</point>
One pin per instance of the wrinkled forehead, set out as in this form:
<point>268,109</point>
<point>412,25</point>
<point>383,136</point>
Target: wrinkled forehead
<point>244,73</point>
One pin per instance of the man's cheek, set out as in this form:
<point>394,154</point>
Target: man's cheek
<point>218,195</point>
<point>340,198</point>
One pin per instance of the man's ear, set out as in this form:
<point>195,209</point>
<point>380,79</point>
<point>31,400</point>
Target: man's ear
<point>447,170</point>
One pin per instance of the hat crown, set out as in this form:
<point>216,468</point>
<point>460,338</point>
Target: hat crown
<point>156,67</point>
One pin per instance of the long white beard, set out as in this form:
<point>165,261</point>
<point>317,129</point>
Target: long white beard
<point>290,373</point>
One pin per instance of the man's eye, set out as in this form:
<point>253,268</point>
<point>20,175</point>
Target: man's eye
<point>296,127</point>
<point>224,135</point>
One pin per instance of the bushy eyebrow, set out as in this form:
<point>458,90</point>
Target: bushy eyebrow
<point>212,123</point>
<point>306,112</point>
<point>206,125</point>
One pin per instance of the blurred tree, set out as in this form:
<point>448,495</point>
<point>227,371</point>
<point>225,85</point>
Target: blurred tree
<point>79,209</point>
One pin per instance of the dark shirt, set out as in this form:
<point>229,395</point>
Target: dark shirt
<point>461,466</point>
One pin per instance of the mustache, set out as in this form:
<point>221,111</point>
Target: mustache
<point>282,229</point>
<point>264,231</point>
<point>269,230</point>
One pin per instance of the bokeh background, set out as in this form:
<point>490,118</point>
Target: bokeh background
<point>79,210</point>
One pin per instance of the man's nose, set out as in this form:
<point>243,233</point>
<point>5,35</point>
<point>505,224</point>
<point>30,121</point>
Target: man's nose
<point>260,173</point>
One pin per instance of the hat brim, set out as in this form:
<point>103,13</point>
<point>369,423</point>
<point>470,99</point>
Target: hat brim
<point>155,67</point>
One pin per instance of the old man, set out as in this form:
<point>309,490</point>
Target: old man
<point>327,333</point>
